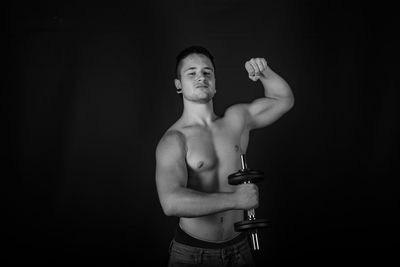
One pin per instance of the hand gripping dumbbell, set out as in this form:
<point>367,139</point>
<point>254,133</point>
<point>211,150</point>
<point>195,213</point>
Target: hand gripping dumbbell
<point>250,224</point>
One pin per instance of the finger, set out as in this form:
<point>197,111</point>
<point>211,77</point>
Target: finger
<point>259,64</point>
<point>255,66</point>
<point>254,77</point>
<point>264,62</point>
<point>249,68</point>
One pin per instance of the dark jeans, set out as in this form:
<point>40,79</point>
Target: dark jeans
<point>238,254</point>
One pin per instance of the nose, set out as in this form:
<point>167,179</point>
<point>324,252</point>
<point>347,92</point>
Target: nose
<point>200,77</point>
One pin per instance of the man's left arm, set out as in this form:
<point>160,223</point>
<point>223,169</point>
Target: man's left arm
<point>278,97</point>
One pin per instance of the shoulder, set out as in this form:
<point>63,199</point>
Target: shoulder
<point>236,110</point>
<point>172,141</point>
<point>237,114</point>
<point>174,136</point>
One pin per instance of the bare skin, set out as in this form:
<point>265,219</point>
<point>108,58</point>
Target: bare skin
<point>199,151</point>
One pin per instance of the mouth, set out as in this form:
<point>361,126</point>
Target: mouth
<point>201,86</point>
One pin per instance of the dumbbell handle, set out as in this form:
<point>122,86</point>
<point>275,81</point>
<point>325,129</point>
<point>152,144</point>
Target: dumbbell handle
<point>243,162</point>
<point>250,214</point>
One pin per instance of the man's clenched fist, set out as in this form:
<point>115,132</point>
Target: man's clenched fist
<point>246,196</point>
<point>256,68</point>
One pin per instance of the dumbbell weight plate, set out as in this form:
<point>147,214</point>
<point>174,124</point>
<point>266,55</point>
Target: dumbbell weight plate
<point>247,175</point>
<point>252,224</point>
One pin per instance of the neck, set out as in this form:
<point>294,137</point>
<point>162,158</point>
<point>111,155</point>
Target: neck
<point>198,113</point>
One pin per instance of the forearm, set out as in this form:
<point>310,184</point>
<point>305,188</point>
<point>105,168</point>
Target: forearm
<point>275,86</point>
<point>185,202</point>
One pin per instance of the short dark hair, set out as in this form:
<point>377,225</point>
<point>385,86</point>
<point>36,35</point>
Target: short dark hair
<point>195,49</point>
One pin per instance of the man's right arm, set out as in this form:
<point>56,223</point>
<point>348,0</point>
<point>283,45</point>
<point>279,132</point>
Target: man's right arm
<point>178,200</point>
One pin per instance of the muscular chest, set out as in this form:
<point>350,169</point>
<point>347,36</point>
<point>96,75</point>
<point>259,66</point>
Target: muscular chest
<point>212,150</point>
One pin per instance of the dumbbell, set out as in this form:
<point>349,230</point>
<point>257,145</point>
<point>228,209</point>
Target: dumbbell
<point>251,224</point>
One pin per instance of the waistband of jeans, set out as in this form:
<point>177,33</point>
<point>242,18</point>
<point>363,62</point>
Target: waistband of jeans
<point>183,238</point>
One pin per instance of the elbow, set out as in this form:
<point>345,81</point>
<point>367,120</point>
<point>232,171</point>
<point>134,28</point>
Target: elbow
<point>168,212</point>
<point>286,99</point>
<point>171,201</point>
<point>287,102</point>
<point>289,99</point>
<point>290,102</point>
<point>169,208</point>
<point>166,209</point>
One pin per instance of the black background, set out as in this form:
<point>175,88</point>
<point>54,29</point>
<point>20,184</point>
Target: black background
<point>88,92</point>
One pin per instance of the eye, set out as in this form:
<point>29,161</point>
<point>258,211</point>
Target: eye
<point>191,73</point>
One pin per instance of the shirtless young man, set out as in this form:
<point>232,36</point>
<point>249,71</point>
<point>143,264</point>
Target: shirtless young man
<point>199,151</point>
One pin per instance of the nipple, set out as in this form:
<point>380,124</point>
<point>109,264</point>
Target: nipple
<point>200,164</point>
<point>236,148</point>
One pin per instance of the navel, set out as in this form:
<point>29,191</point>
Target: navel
<point>200,164</point>
<point>236,148</point>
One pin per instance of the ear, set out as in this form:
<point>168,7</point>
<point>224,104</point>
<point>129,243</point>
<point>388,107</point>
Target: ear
<point>178,86</point>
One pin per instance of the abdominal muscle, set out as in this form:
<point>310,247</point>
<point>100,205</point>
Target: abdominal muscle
<point>217,227</point>
<point>212,228</point>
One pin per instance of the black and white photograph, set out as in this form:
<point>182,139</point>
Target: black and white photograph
<point>200,133</point>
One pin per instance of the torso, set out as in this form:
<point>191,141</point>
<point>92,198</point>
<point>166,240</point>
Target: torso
<point>213,153</point>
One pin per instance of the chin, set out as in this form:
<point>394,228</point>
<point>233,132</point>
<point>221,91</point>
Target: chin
<point>203,99</point>
<point>206,99</point>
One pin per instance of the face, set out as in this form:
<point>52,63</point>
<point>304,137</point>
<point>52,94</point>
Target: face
<point>197,81</point>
